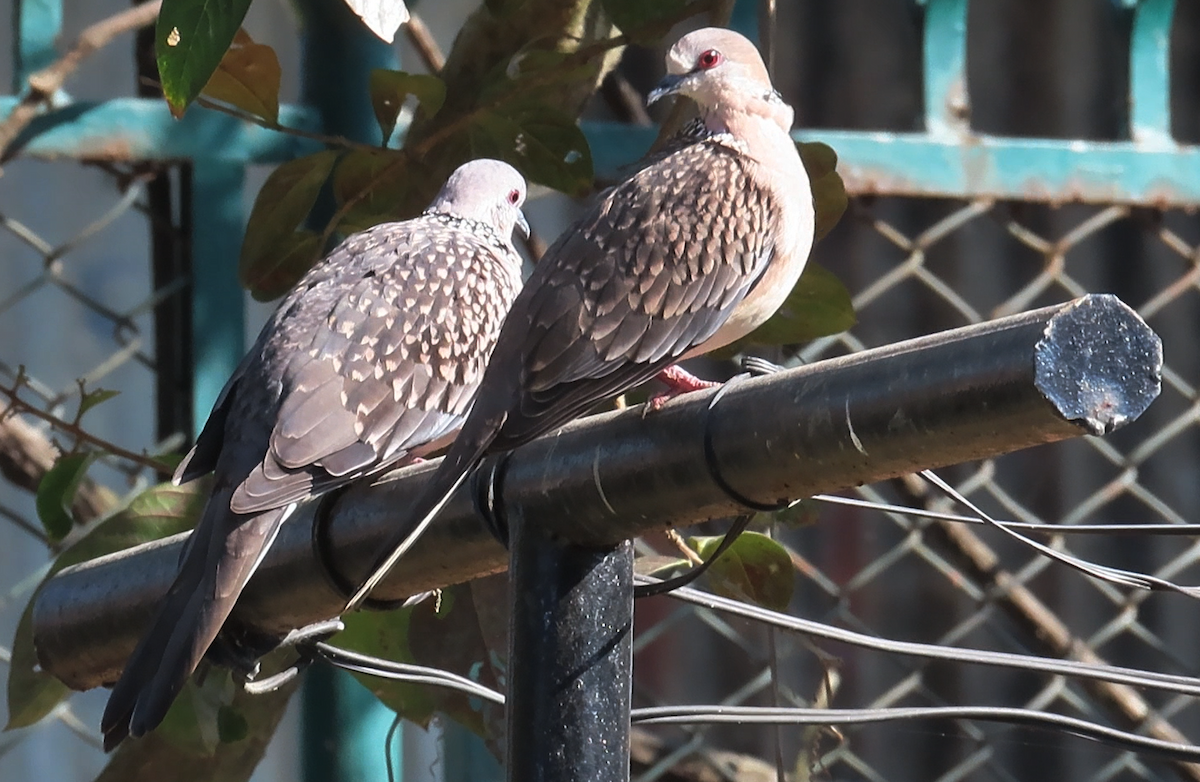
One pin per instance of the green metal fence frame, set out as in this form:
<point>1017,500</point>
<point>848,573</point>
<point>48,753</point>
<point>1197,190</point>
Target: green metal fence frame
<point>947,159</point>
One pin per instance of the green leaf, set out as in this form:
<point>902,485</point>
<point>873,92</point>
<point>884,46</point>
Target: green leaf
<point>56,492</point>
<point>804,513</point>
<point>454,632</point>
<point>95,397</point>
<point>294,255</point>
<point>755,569</point>
<point>380,183</point>
<point>196,751</point>
<point>248,77</point>
<point>159,511</point>
<point>819,305</point>
<point>542,142</point>
<point>190,39</point>
<point>829,192</point>
<point>819,159</point>
<point>381,17</point>
<point>283,203</point>
<point>389,90</point>
<point>639,19</point>
<point>31,694</point>
<point>658,565</point>
<point>548,67</point>
<point>231,725</point>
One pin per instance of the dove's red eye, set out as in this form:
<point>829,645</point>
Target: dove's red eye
<point>709,59</point>
<point>514,196</point>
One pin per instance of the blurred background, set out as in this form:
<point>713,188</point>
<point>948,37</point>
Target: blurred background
<point>123,273</point>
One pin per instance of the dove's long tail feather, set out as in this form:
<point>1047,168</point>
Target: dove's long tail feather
<point>189,617</point>
<point>464,455</point>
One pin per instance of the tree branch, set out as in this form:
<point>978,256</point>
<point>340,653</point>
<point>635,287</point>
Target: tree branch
<point>26,455</point>
<point>45,83</point>
<point>17,405</point>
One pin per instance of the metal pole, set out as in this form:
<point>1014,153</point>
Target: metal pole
<point>1085,367</point>
<point>570,652</point>
<point>344,724</point>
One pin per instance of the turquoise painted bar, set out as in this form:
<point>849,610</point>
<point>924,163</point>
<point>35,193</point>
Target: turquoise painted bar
<point>973,166</point>
<point>1150,72</point>
<point>945,66</point>
<point>143,129</point>
<point>968,166</point>
<point>37,24</point>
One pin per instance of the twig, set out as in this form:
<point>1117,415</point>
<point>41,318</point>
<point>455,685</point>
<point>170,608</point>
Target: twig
<point>45,83</point>
<point>19,405</point>
<point>245,116</point>
<point>421,150</point>
<point>26,455</point>
<point>425,44</point>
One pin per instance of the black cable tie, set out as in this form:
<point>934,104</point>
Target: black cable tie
<point>683,579</point>
<point>710,456</point>
<point>488,491</point>
<point>322,546</point>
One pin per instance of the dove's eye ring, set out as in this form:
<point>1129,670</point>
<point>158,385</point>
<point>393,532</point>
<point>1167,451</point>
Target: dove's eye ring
<point>514,197</point>
<point>709,59</point>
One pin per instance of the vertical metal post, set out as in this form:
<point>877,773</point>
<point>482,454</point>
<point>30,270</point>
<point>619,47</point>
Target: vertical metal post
<point>344,725</point>
<point>947,104</point>
<point>213,194</point>
<point>36,25</point>
<point>1150,72</point>
<point>570,659</point>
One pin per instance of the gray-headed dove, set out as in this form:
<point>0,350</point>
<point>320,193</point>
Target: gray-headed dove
<point>691,252</point>
<point>373,358</point>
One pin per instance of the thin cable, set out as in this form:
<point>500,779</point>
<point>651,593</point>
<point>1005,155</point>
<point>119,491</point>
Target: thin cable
<point>416,674</point>
<point>1184,685</point>
<point>690,715</point>
<point>1032,526</point>
<point>1112,575</point>
<point>727,540</point>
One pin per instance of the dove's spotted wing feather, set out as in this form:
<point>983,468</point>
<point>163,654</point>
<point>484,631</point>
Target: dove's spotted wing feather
<point>375,355</point>
<point>387,361</point>
<point>652,271</point>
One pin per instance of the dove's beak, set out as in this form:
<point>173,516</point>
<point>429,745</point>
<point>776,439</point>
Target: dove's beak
<point>522,224</point>
<point>669,85</point>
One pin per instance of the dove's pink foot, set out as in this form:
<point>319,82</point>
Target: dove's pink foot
<point>678,382</point>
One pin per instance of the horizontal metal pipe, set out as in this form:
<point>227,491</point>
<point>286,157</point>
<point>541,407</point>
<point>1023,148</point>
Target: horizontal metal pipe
<point>1087,366</point>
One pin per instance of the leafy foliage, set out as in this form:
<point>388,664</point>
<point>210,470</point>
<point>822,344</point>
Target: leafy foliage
<point>829,192</point>
<point>389,90</point>
<point>248,77</point>
<point>96,396</point>
<point>191,38</point>
<point>373,183</point>
<point>382,17</point>
<point>456,631</point>
<point>56,492</point>
<point>642,19</point>
<point>159,511</point>
<point>272,251</point>
<point>755,568</point>
<point>540,140</point>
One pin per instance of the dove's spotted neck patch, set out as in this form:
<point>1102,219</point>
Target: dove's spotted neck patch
<point>480,229</point>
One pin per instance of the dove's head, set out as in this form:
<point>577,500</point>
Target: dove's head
<point>721,71</point>
<point>488,191</point>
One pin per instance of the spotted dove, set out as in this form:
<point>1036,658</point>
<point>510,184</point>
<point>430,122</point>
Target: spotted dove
<point>372,359</point>
<point>693,251</point>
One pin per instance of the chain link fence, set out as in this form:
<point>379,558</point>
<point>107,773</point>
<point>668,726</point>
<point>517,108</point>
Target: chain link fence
<point>79,299</point>
<point>917,266</point>
<point>82,309</point>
